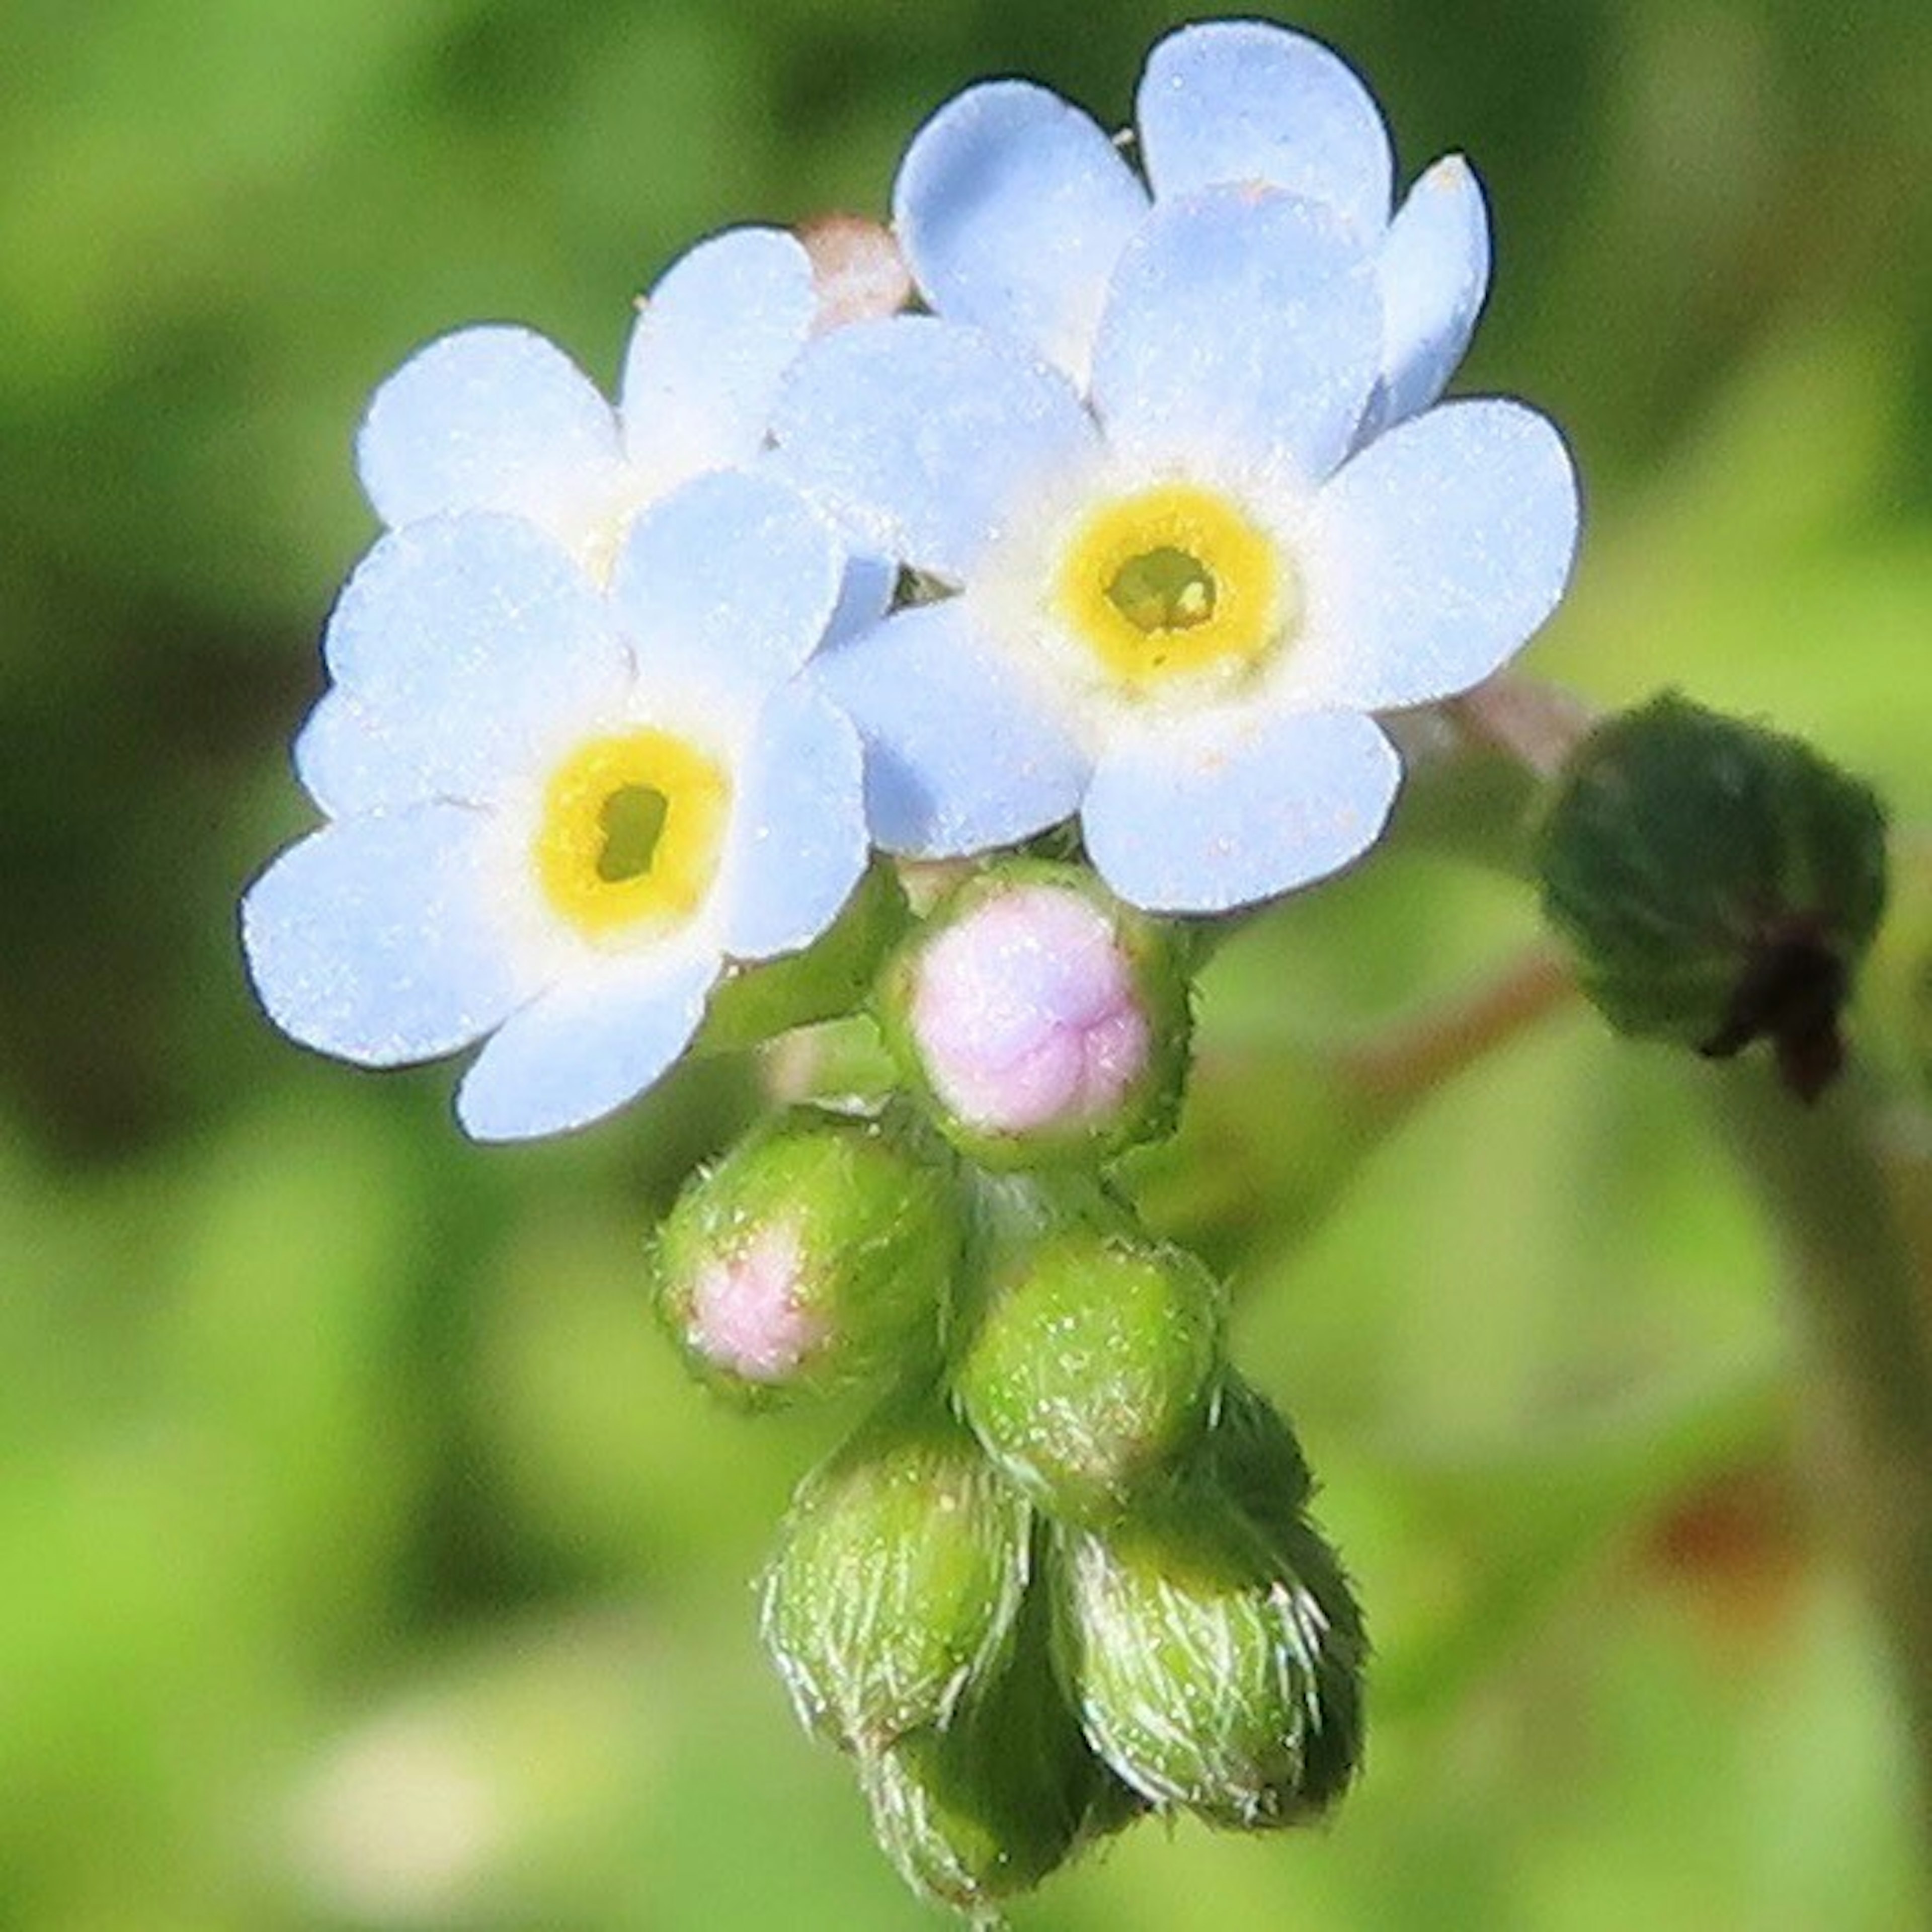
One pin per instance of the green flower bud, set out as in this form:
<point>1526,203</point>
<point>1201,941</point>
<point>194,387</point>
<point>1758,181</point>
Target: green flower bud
<point>816,1257</point>
<point>1719,883</point>
<point>1092,1367</point>
<point>983,1809</point>
<point>1040,1021</point>
<point>1216,1644</point>
<point>899,1572</point>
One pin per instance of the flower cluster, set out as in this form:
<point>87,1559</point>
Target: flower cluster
<point>1090,573</point>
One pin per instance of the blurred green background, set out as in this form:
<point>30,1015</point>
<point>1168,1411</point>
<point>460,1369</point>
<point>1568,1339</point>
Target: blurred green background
<point>366,1563</point>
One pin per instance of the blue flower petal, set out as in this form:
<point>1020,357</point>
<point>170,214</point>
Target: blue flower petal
<point>379,939</point>
<point>1435,271</point>
<point>727,584</point>
<point>332,757</point>
<point>798,841</point>
<point>1238,100</point>
<point>924,437</point>
<point>1243,327</point>
<point>584,1047</point>
<point>1205,814</point>
<point>710,345</point>
<point>961,755</point>
<point>1012,207</point>
<point>491,418</point>
<point>864,595</point>
<point>459,643</point>
<point>1435,554</point>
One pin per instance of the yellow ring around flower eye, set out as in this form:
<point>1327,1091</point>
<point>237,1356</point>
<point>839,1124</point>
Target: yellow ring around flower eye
<point>1173,582</point>
<point>632,829</point>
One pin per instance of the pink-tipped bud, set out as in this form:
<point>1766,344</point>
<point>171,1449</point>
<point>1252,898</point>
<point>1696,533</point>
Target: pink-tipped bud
<point>815,1258</point>
<point>1042,1020</point>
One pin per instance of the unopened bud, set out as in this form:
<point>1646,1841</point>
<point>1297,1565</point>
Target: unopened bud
<point>816,1258</point>
<point>1093,1367</point>
<point>1218,1649</point>
<point>1719,883</point>
<point>1041,1020</point>
<point>899,1572</point>
<point>983,1809</point>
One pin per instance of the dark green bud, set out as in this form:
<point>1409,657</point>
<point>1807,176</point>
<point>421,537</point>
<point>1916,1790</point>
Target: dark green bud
<point>984,1808</point>
<point>899,1573</point>
<point>1040,1022</point>
<point>1093,1367</point>
<point>816,1257</point>
<point>1216,1644</point>
<point>1719,883</point>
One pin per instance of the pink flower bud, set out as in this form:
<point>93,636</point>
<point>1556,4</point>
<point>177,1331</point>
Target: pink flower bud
<point>1027,1014</point>
<point>1041,1022</point>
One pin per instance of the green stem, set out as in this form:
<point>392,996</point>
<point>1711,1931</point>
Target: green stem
<point>1818,1175</point>
<point>1847,1211</point>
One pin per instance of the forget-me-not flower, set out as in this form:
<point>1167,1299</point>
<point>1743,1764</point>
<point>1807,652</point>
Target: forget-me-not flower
<point>1180,596</point>
<point>1012,206</point>
<point>498,418</point>
<point>564,809</point>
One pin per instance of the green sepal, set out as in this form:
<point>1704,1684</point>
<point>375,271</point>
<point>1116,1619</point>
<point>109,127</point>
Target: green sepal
<point>1092,1367</point>
<point>1159,957</point>
<point>1215,1642</point>
<point>879,1229</point>
<point>899,1573</point>
<point>1717,882</point>
<point>830,978</point>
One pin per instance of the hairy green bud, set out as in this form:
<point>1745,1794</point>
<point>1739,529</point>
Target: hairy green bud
<point>1719,884</point>
<point>983,1809</point>
<point>899,1572</point>
<point>1216,1647</point>
<point>817,1257</point>
<point>1039,1021</point>
<point>1093,1367</point>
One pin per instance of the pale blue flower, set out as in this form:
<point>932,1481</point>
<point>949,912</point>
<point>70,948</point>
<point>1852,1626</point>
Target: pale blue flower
<point>1180,594</point>
<point>1012,206</point>
<point>555,813</point>
<point>497,417</point>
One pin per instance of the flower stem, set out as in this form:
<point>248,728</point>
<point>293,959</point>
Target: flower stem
<point>1846,1184</point>
<point>1841,1214</point>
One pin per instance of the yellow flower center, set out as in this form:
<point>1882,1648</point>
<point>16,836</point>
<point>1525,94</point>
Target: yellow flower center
<point>632,829</point>
<point>1175,581</point>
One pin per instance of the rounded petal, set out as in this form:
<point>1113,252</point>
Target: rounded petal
<point>1435,271</point>
<point>960,752</point>
<point>490,418</point>
<point>712,342</point>
<point>728,584</point>
<point>1208,813</point>
<point>921,435</point>
<point>379,939</point>
<point>798,841</point>
<point>1243,328</point>
<point>1434,555</point>
<point>1012,207</point>
<point>458,643</point>
<point>585,1046</point>
<point>1239,100</point>
<point>332,755</point>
